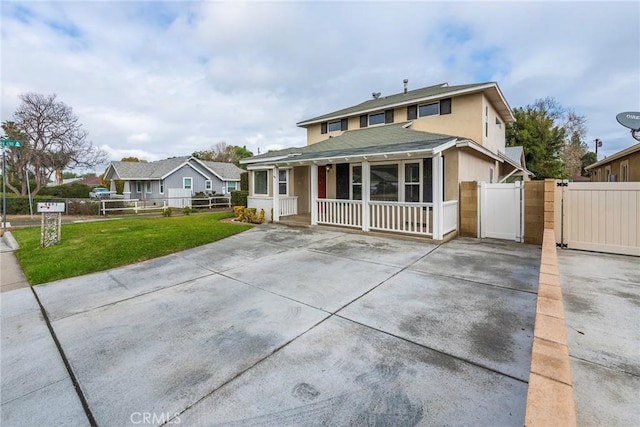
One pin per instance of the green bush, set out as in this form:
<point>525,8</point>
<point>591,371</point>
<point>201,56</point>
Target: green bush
<point>186,210</point>
<point>239,198</point>
<point>167,211</point>
<point>72,191</point>
<point>244,181</point>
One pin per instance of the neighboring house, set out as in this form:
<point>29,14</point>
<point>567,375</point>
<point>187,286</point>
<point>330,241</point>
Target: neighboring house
<point>623,166</point>
<point>391,163</point>
<point>173,178</point>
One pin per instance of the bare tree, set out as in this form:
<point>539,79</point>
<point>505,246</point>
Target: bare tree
<point>52,140</point>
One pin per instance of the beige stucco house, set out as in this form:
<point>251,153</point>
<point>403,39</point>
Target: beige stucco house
<point>392,163</point>
<point>623,166</point>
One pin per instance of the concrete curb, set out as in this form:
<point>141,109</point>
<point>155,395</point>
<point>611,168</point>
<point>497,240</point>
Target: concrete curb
<point>550,395</point>
<point>10,241</point>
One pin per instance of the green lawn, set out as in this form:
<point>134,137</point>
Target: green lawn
<point>95,246</point>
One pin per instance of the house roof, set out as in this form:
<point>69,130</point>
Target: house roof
<point>515,154</point>
<point>630,150</point>
<point>388,139</point>
<point>439,91</point>
<point>162,168</point>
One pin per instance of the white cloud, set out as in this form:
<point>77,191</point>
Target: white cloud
<point>161,79</point>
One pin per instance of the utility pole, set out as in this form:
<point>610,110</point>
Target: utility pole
<point>598,144</point>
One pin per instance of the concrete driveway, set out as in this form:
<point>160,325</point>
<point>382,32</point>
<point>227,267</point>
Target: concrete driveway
<point>286,326</point>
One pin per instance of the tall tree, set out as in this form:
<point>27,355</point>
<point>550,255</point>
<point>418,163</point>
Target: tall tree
<point>52,140</point>
<point>588,159</point>
<point>221,152</point>
<point>552,138</point>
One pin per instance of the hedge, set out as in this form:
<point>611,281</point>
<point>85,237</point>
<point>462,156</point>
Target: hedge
<point>239,198</point>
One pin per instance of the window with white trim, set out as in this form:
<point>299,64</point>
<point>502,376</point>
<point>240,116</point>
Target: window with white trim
<point>283,178</point>
<point>334,126</point>
<point>147,187</point>
<point>260,183</point>
<point>161,185</point>
<point>231,186</point>
<point>208,185</point>
<point>412,182</point>
<point>432,109</point>
<point>139,187</point>
<point>624,171</point>
<point>384,182</point>
<point>376,119</point>
<point>356,182</point>
<point>187,183</point>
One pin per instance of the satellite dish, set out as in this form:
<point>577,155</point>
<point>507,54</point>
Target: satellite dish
<point>629,119</point>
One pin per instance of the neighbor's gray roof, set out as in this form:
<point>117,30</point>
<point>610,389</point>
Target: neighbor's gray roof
<point>159,169</point>
<point>375,140</point>
<point>514,153</point>
<point>437,91</point>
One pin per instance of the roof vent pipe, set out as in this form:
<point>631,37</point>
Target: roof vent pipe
<point>406,83</point>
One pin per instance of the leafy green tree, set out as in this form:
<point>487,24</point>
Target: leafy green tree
<point>221,152</point>
<point>588,159</point>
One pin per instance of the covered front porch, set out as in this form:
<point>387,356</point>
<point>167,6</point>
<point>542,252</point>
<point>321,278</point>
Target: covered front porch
<point>400,194</point>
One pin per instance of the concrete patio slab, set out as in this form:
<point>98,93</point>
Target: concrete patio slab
<point>342,373</point>
<point>486,261</point>
<point>320,280</point>
<point>483,324</point>
<point>381,250</point>
<point>33,373</point>
<point>161,352</point>
<point>602,310</point>
<point>291,237</point>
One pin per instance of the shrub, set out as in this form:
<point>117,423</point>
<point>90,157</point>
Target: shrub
<point>167,211</point>
<point>248,214</point>
<point>186,210</point>
<point>244,181</point>
<point>71,191</point>
<point>239,198</point>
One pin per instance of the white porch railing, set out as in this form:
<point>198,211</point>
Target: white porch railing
<point>450,216</point>
<point>402,217</point>
<point>288,205</point>
<point>345,213</point>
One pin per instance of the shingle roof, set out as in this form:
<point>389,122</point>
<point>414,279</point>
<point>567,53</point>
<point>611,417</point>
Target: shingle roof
<point>159,169</point>
<point>440,90</point>
<point>379,139</point>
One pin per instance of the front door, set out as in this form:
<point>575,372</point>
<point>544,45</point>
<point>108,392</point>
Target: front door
<point>322,182</point>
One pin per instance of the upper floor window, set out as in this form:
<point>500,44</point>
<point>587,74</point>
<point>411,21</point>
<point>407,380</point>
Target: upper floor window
<point>429,109</point>
<point>336,125</point>
<point>498,123</point>
<point>376,119</point>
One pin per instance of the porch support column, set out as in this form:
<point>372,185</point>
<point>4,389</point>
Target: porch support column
<point>112,186</point>
<point>126,190</point>
<point>366,183</point>
<point>438,179</point>
<point>313,170</point>
<point>276,194</point>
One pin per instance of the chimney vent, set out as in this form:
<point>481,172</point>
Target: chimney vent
<point>406,83</point>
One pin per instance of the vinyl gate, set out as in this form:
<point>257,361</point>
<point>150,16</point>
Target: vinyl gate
<point>598,216</point>
<point>179,197</point>
<point>502,211</point>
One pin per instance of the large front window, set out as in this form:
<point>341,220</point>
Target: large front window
<point>260,182</point>
<point>384,182</point>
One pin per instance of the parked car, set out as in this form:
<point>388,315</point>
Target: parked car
<point>99,193</point>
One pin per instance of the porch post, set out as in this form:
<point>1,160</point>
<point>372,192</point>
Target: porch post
<point>313,170</point>
<point>112,186</point>
<point>126,191</point>
<point>438,179</point>
<point>276,194</point>
<point>366,182</point>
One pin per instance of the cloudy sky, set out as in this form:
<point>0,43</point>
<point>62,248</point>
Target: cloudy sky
<point>161,79</point>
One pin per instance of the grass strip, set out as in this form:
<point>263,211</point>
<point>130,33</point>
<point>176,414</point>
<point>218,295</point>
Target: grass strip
<point>96,246</point>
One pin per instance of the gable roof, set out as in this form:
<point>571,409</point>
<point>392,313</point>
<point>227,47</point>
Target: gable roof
<point>615,156</point>
<point>162,168</point>
<point>389,139</point>
<point>430,93</point>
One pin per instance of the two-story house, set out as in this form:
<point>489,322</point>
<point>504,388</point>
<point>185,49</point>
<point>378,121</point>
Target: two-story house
<point>392,163</point>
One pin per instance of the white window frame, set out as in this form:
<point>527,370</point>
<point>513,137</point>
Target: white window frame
<point>382,113</point>
<point>285,182</point>
<point>399,165</point>
<point>139,187</point>
<point>161,186</point>
<point>147,187</point>
<point>235,186</point>
<point>339,128</point>
<point>425,105</point>
<point>402,176</point>
<point>351,183</point>
<point>184,183</point>
<point>498,123</point>
<point>624,171</point>
<point>266,172</point>
<point>208,185</point>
